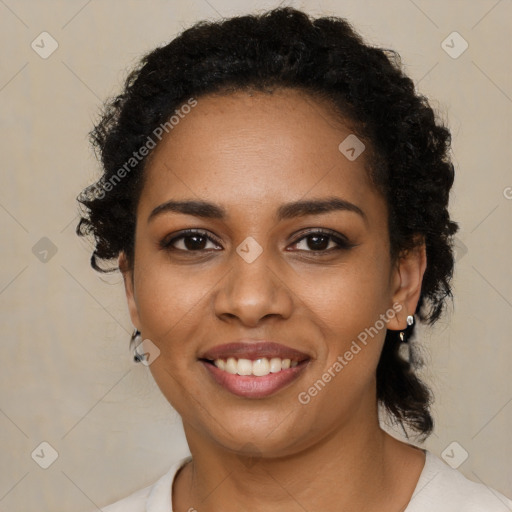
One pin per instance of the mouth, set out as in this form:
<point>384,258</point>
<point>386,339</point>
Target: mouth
<point>254,369</point>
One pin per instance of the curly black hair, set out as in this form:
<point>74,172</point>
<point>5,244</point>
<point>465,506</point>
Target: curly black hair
<point>407,147</point>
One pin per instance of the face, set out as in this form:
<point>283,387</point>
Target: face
<point>292,248</point>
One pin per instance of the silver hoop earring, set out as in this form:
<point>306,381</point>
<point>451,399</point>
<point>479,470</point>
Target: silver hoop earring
<point>135,341</point>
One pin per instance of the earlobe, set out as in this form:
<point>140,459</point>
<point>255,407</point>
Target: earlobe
<point>407,280</point>
<point>129,288</point>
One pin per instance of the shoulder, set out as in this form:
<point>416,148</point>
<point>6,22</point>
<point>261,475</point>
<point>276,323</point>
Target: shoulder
<point>444,489</point>
<point>156,496</point>
<point>135,502</point>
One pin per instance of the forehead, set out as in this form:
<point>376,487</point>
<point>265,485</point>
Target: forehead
<point>256,150</point>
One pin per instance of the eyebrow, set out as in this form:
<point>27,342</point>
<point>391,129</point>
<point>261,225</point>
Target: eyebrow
<point>291,210</point>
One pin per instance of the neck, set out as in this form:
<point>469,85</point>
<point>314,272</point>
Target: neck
<point>353,468</point>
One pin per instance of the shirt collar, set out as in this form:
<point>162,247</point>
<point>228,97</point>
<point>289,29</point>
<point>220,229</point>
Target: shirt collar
<point>160,496</point>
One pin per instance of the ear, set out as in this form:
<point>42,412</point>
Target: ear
<point>129,289</point>
<point>407,277</point>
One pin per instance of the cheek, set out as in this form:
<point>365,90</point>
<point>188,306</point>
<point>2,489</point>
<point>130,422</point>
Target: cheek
<point>346,304</point>
<point>347,300</point>
<point>168,300</point>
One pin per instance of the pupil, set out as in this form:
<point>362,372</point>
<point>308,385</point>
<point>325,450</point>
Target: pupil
<point>194,245</point>
<point>319,245</point>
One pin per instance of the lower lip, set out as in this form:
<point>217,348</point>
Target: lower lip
<point>250,386</point>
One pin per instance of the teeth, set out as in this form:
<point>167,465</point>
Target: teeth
<point>259,367</point>
<point>231,365</point>
<point>275,365</point>
<point>244,367</point>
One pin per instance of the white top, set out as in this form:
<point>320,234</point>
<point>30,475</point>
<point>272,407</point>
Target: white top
<point>440,488</point>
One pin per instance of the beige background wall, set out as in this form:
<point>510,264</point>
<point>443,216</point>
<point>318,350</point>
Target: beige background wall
<point>67,377</point>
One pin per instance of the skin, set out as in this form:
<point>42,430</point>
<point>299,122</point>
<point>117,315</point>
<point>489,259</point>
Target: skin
<point>250,153</point>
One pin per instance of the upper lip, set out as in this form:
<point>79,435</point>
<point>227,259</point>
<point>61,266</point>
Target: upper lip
<point>253,349</point>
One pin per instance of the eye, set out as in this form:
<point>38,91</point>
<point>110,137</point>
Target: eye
<point>323,241</point>
<point>196,240</point>
<point>190,240</point>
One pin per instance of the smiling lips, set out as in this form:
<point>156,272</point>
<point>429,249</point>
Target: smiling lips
<point>254,369</point>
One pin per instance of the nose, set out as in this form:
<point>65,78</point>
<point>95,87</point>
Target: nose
<point>253,291</point>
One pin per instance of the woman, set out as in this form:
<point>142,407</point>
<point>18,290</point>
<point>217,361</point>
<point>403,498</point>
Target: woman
<point>275,193</point>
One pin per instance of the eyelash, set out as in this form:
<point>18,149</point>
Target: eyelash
<point>342,243</point>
